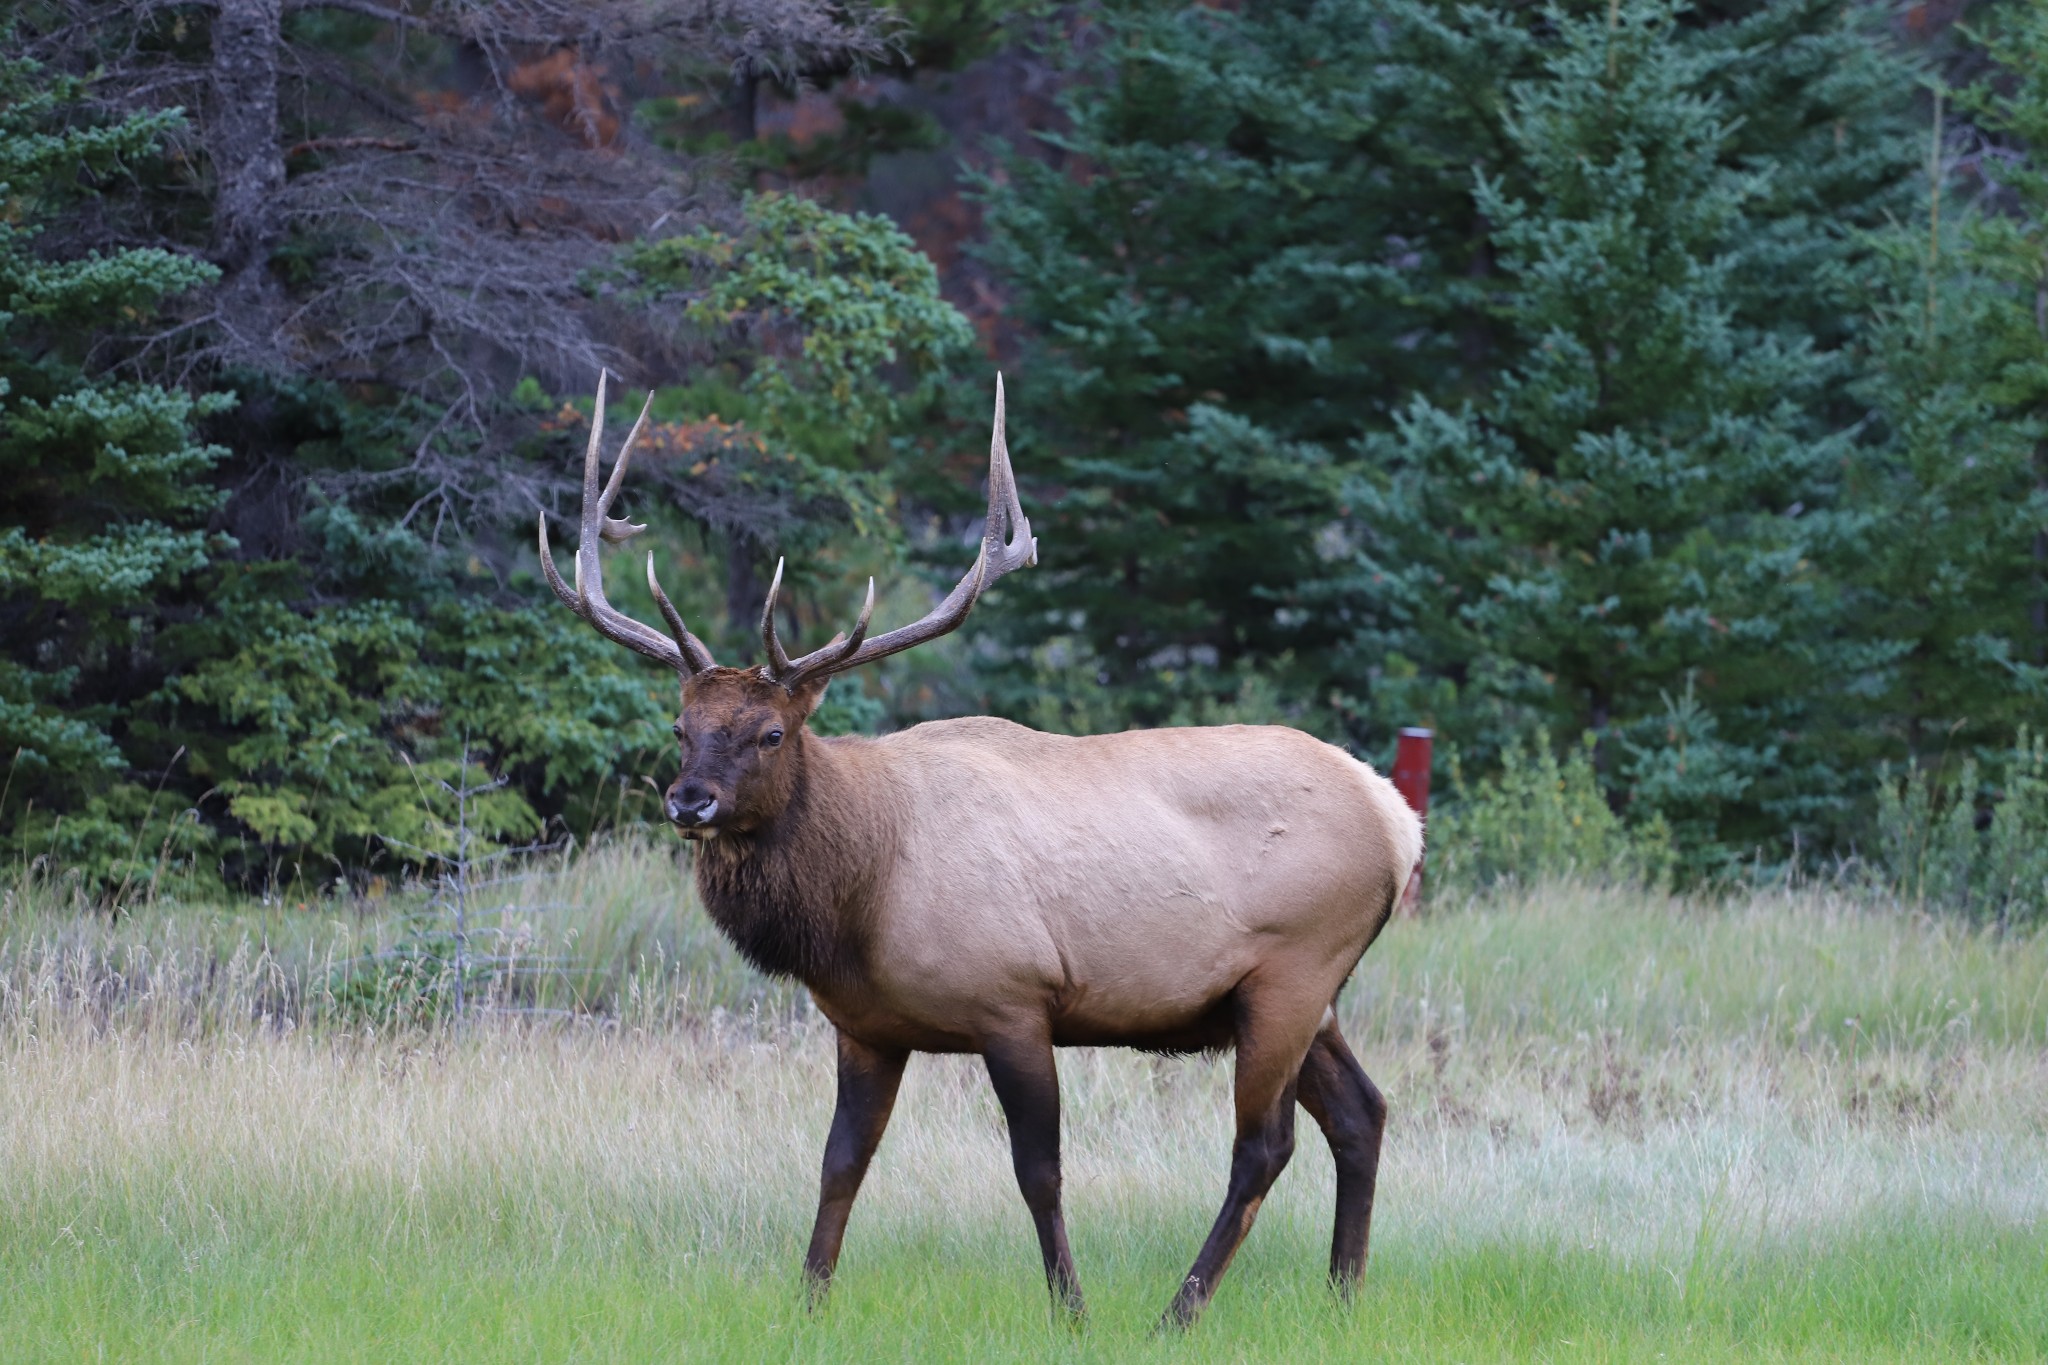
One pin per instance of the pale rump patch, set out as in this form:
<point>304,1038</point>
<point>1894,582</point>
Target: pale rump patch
<point>1402,825</point>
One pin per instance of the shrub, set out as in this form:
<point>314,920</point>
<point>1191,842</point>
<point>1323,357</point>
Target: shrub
<point>412,983</point>
<point>1541,819</point>
<point>1939,850</point>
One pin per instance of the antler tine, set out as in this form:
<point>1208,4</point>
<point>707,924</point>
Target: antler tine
<point>1013,546</point>
<point>685,653</point>
<point>698,657</point>
<point>831,657</point>
<point>778,662</point>
<point>553,576</point>
<point>593,502</point>
<point>1006,544</point>
<point>615,530</point>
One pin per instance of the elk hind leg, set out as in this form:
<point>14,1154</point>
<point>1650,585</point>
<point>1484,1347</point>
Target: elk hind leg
<point>1349,1109</point>
<point>1027,1085</point>
<point>868,1079</point>
<point>1270,1046</point>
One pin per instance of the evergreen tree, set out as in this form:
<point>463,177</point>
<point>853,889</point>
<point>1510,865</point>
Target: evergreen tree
<point>2012,249</point>
<point>1949,568</point>
<point>103,490</point>
<point>1629,533</point>
<point>1820,108</point>
<point>1238,258</point>
<point>856,339</point>
<point>1265,242</point>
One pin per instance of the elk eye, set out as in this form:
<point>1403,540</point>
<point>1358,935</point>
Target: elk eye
<point>771,739</point>
<point>677,728</point>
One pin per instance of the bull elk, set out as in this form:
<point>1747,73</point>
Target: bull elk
<point>974,886</point>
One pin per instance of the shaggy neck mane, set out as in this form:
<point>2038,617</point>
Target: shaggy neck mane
<point>796,895</point>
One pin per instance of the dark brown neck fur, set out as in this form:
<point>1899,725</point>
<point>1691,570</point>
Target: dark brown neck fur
<point>795,895</point>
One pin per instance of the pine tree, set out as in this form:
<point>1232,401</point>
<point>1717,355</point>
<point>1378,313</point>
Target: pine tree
<point>2012,248</point>
<point>1236,263</point>
<point>1629,533</point>
<point>1821,109</point>
<point>103,491</point>
<point>1948,581</point>
<point>1266,243</point>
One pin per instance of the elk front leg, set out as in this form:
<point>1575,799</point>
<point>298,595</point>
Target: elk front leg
<point>868,1077</point>
<point>1347,1105</point>
<point>1027,1085</point>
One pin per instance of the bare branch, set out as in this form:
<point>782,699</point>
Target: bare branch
<point>349,144</point>
<point>442,235</point>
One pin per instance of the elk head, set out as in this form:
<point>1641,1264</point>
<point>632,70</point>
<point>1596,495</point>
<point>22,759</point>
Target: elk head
<point>741,732</point>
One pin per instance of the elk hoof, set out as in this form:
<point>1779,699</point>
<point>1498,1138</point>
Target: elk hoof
<point>1182,1312</point>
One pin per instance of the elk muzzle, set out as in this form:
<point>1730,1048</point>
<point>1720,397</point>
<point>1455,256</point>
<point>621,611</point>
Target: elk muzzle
<point>694,808</point>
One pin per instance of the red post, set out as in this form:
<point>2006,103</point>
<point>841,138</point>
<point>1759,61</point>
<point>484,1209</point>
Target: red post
<point>1411,779</point>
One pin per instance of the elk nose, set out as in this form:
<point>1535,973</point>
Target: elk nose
<point>691,803</point>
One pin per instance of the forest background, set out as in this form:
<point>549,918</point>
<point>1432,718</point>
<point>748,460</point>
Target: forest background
<point>1651,399</point>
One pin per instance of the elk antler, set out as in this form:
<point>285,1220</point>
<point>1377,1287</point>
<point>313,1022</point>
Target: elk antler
<point>1006,544</point>
<point>685,653</point>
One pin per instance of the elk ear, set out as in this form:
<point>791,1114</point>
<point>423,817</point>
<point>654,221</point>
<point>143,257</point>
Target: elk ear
<point>809,693</point>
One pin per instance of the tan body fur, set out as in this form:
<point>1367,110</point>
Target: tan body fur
<point>1119,887</point>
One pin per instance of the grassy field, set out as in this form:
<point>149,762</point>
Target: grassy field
<point>1624,1128</point>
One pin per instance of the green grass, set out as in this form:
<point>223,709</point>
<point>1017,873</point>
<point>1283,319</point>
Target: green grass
<point>1787,1127</point>
<point>1924,1294</point>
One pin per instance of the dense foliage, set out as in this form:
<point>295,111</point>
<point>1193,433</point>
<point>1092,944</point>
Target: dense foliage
<point>103,489</point>
<point>1628,531</point>
<point>1674,377</point>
